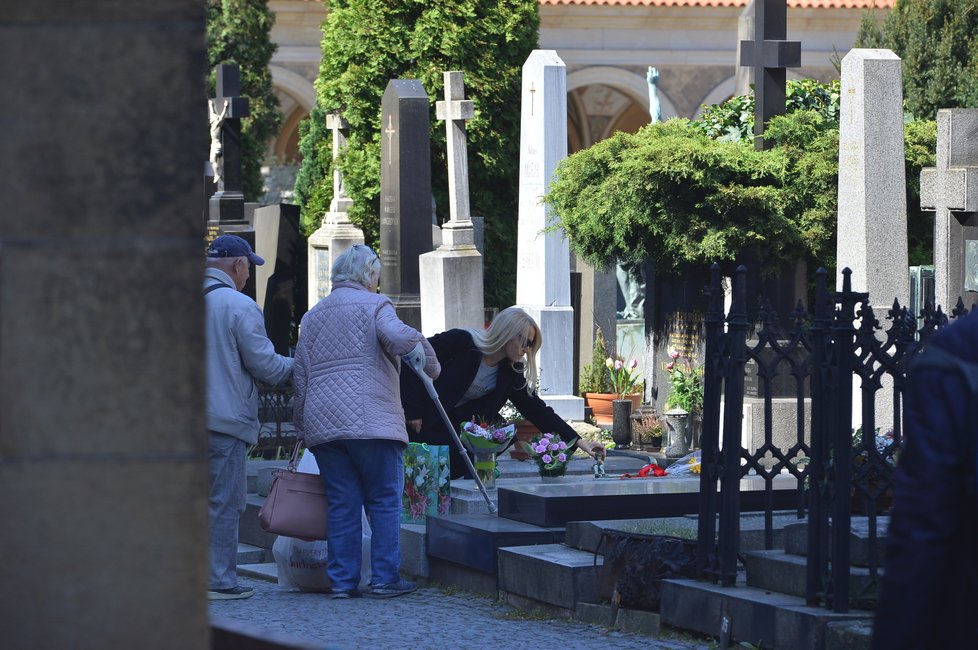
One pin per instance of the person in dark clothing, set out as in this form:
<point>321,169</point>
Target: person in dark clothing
<point>929,590</point>
<point>480,371</point>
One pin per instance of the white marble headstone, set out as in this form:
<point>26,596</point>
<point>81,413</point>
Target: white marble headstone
<point>543,258</point>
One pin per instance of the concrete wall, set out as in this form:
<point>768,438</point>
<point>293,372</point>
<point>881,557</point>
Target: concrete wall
<point>102,436</point>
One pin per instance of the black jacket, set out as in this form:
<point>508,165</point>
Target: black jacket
<point>929,589</point>
<point>460,361</point>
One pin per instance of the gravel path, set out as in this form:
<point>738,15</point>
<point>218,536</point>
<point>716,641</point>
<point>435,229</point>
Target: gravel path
<point>429,618</point>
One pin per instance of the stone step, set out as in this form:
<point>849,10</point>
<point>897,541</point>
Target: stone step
<point>472,541</point>
<point>249,530</point>
<point>779,571</point>
<point>860,548</point>
<point>756,616</point>
<point>261,570</point>
<point>554,574</point>
<point>248,554</point>
<point>253,468</point>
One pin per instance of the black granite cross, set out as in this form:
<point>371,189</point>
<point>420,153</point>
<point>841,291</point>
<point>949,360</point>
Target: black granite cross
<point>769,54</point>
<point>227,203</point>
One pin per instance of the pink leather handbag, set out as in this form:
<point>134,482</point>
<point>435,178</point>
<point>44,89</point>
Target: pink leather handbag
<point>296,504</point>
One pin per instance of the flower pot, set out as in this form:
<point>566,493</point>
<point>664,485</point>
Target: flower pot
<point>553,479</point>
<point>600,404</point>
<point>621,428</point>
<point>677,444</point>
<point>525,430</point>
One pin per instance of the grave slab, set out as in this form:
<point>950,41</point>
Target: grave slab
<point>777,620</point>
<point>796,540</point>
<point>472,540</point>
<point>551,573</point>
<point>414,555</point>
<point>777,571</point>
<point>551,505</point>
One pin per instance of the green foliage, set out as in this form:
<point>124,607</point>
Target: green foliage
<point>595,377</point>
<point>937,41</point>
<point>696,192</point>
<point>238,32</point>
<point>734,119</point>
<point>366,43</point>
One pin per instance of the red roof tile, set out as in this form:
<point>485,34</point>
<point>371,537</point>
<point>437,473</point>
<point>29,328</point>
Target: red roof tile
<point>794,4</point>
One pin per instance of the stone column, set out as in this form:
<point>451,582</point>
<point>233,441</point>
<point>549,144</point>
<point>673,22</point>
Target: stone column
<point>872,232</point>
<point>543,257</point>
<point>103,461</point>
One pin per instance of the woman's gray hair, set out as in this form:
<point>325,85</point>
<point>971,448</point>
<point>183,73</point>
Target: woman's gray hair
<point>359,264</point>
<point>508,324</point>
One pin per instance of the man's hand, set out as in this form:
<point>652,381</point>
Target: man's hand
<point>414,426</point>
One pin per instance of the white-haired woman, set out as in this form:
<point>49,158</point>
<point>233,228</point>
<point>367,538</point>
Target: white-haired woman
<point>480,371</point>
<point>348,410</point>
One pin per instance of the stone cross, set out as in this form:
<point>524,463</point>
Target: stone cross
<point>769,54</point>
<point>227,203</point>
<point>455,110</point>
<point>951,190</point>
<point>337,233</point>
<point>339,126</point>
<point>452,275</point>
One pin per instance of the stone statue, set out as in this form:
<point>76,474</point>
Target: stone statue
<point>217,150</point>
<point>655,109</point>
<point>631,275</point>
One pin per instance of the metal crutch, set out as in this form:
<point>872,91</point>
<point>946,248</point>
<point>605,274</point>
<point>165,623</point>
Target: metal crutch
<point>415,361</point>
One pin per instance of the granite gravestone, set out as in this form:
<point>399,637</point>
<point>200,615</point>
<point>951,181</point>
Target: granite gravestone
<point>336,233</point>
<point>872,230</point>
<point>405,194</point>
<point>451,276</point>
<point>951,190</point>
<point>770,54</point>
<point>872,239</point>
<point>280,291</point>
<point>543,256</point>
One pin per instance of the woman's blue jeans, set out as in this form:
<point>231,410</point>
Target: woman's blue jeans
<point>362,474</point>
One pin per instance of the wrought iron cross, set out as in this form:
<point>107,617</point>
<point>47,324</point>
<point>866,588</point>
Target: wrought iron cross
<point>770,54</point>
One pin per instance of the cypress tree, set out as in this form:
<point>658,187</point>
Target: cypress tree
<point>366,43</point>
<point>938,43</point>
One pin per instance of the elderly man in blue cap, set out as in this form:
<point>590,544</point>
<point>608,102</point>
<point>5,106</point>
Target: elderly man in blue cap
<point>239,353</point>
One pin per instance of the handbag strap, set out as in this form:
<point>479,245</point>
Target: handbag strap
<point>295,455</point>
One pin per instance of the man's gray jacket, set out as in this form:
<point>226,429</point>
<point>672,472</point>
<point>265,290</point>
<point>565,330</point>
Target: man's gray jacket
<point>238,354</point>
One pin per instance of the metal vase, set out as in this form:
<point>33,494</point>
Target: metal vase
<point>621,423</point>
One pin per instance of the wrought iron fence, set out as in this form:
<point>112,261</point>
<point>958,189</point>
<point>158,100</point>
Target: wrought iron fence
<point>275,431</point>
<point>822,353</point>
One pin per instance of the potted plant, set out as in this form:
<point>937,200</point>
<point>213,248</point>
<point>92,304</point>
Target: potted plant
<point>550,454</point>
<point>648,429</point>
<point>686,395</point>
<point>596,382</point>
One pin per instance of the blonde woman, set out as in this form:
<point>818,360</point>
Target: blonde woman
<point>480,371</point>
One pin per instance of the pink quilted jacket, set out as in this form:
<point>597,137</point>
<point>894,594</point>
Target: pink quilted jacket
<point>347,364</point>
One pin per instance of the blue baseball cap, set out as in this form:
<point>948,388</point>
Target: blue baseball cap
<point>233,246</point>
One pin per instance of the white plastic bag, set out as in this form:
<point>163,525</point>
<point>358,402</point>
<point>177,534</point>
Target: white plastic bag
<point>302,564</point>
